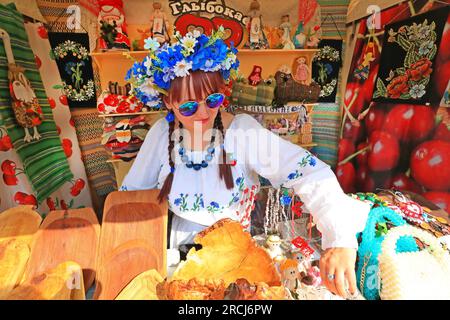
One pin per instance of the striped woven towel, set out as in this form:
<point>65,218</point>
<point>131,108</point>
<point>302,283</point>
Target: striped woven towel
<point>44,160</point>
<point>89,127</point>
<point>326,120</point>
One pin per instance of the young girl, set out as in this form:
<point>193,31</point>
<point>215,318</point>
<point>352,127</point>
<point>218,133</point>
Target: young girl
<point>207,175</point>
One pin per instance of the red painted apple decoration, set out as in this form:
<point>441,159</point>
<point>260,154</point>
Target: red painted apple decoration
<point>442,132</point>
<point>25,199</point>
<point>77,187</point>
<point>402,182</point>
<point>353,131</point>
<point>67,146</point>
<point>384,151</point>
<point>8,167</point>
<point>354,89</point>
<point>38,61</point>
<point>42,32</point>
<point>346,176</point>
<point>63,205</point>
<point>374,120</point>
<point>51,204</point>
<point>63,100</point>
<point>409,122</point>
<point>362,158</point>
<point>52,103</point>
<point>5,143</point>
<point>441,199</point>
<point>345,149</point>
<point>430,165</point>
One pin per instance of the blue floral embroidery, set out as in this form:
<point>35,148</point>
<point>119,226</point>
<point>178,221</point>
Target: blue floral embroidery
<point>123,188</point>
<point>181,202</point>
<point>198,202</point>
<point>214,207</point>
<point>308,159</point>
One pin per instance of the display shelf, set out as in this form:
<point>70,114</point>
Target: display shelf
<point>130,114</point>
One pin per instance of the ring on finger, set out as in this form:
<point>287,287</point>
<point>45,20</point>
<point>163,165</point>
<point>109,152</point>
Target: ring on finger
<point>330,276</point>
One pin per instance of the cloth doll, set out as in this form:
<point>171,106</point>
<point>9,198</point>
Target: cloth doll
<point>159,24</point>
<point>257,38</point>
<point>302,71</point>
<point>111,20</point>
<point>286,38</point>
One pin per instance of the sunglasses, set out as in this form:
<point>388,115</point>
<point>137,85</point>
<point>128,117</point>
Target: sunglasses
<point>213,101</point>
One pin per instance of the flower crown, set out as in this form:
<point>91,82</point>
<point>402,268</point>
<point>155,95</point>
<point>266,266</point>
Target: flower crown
<point>195,51</point>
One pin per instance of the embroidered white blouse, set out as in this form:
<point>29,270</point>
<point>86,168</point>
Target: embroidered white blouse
<point>200,198</point>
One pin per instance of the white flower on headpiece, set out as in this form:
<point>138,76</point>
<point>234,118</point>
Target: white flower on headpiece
<point>153,103</point>
<point>148,65</point>
<point>147,88</point>
<point>151,44</point>
<point>182,68</point>
<point>188,42</point>
<point>231,58</point>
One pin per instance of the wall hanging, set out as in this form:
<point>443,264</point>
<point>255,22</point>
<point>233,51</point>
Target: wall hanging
<point>71,51</point>
<point>325,69</point>
<point>407,62</point>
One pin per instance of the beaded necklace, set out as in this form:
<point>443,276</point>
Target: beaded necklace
<point>189,163</point>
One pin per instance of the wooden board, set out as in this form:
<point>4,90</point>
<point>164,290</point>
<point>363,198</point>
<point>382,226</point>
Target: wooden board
<point>128,216</point>
<point>61,283</point>
<point>14,256</point>
<point>71,235</point>
<point>143,287</point>
<point>20,223</point>
<point>125,263</point>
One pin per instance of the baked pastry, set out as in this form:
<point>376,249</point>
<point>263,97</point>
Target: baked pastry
<point>228,253</point>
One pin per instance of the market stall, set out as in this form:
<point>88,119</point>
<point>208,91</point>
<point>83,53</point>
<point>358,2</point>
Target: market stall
<point>343,193</point>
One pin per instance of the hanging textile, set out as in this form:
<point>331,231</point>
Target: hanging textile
<point>42,160</point>
<point>325,69</point>
<point>71,51</point>
<point>389,145</point>
<point>407,63</point>
<point>89,127</point>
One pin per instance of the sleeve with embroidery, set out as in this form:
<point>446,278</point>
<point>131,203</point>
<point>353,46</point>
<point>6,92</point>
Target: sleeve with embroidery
<point>144,172</point>
<point>338,217</point>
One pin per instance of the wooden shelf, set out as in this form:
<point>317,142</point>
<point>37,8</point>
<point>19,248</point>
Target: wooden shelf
<point>129,114</point>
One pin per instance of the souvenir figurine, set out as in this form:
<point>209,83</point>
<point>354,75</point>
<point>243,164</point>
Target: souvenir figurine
<point>286,38</point>
<point>304,262</point>
<point>257,38</point>
<point>290,275</point>
<point>273,247</point>
<point>255,77</point>
<point>111,20</point>
<point>159,24</point>
<point>302,71</point>
<point>299,37</point>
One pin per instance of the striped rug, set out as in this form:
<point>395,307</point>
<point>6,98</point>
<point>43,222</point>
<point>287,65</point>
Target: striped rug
<point>89,128</point>
<point>326,131</point>
<point>337,10</point>
<point>44,160</point>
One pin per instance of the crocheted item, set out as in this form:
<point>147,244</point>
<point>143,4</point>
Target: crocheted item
<point>379,221</point>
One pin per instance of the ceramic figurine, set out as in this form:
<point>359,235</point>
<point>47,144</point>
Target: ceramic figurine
<point>290,275</point>
<point>304,262</point>
<point>257,38</point>
<point>255,77</point>
<point>302,71</point>
<point>273,247</point>
<point>299,37</point>
<point>159,24</point>
<point>286,38</point>
<point>111,20</point>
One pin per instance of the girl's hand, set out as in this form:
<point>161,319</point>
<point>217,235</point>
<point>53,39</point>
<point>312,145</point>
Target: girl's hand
<point>337,269</point>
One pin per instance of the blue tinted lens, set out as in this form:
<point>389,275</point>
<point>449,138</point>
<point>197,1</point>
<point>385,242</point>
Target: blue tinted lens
<point>215,100</point>
<point>188,108</point>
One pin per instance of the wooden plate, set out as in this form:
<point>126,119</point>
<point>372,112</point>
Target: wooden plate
<point>14,256</point>
<point>122,266</point>
<point>71,235</point>
<point>20,223</point>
